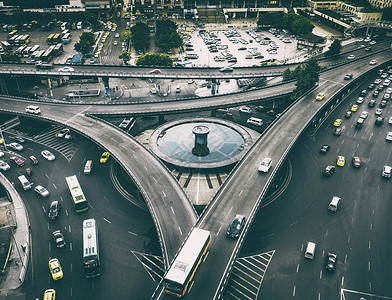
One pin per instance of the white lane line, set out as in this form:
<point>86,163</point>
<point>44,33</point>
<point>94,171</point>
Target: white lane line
<point>326,234</point>
<point>180,229</point>
<point>370,286</point>
<point>135,234</point>
<point>66,212</point>
<point>69,228</point>
<point>342,280</point>
<point>70,246</point>
<point>369,265</point>
<point>294,291</point>
<point>345,259</point>
<point>163,193</point>
<point>54,186</point>
<point>219,230</point>
<point>321,274</point>
<point>371,226</point>
<point>369,245</point>
<point>154,178</point>
<point>240,193</point>
<point>70,292</point>
<point>107,220</point>
<point>47,175</point>
<point>349,237</point>
<point>145,168</point>
<point>172,210</point>
<point>71,267</point>
<point>230,209</point>
<point>297,268</point>
<point>47,224</point>
<point>61,198</point>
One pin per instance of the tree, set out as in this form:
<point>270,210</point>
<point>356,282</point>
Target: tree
<point>87,39</point>
<point>334,49</point>
<point>154,59</point>
<point>125,56</point>
<point>167,36</point>
<point>270,19</point>
<point>126,35</point>
<point>140,36</point>
<point>287,75</point>
<point>307,76</point>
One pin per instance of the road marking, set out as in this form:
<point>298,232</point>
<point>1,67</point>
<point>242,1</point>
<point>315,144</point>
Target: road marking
<point>70,292</point>
<point>55,187</point>
<point>43,208</point>
<point>107,220</point>
<point>154,178</point>
<point>47,175</point>
<point>69,228</point>
<point>369,245</point>
<point>180,229</point>
<point>66,212</point>
<point>294,291</point>
<point>369,265</point>
<point>370,286</point>
<point>47,224</point>
<point>349,237</point>
<point>319,296</point>
<point>240,193</point>
<point>130,232</point>
<point>326,234</point>
<point>172,210</point>
<point>219,230</point>
<point>230,209</point>
<point>49,246</point>
<point>345,259</point>
<point>342,280</point>
<point>297,268</point>
<point>293,223</point>
<point>371,226</point>
<point>352,220</point>
<point>70,246</point>
<point>71,267</point>
<point>61,198</point>
<point>145,167</point>
<point>163,193</point>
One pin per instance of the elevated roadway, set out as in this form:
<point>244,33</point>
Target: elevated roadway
<point>244,189</point>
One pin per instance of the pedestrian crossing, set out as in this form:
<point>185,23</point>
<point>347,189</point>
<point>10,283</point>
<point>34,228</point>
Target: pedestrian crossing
<point>48,138</point>
<point>246,276</point>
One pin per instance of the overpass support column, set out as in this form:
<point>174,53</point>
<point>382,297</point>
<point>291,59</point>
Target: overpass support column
<point>213,113</point>
<point>3,86</point>
<point>161,119</point>
<point>106,84</point>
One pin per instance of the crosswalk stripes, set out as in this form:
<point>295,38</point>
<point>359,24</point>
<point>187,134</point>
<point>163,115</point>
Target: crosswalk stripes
<point>246,276</point>
<point>48,138</point>
<point>152,264</point>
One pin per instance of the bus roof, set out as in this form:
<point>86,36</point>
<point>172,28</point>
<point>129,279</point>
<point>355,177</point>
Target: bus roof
<point>75,189</point>
<point>90,246</point>
<point>190,251</point>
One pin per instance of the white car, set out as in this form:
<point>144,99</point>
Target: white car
<point>117,35</point>
<point>153,91</point>
<point>1,153</point>
<point>4,166</point>
<point>48,155</point>
<point>190,81</point>
<point>62,133</point>
<point>389,136</point>
<point>372,43</point>
<point>360,100</point>
<point>245,109</point>
<point>373,62</point>
<point>226,69</point>
<point>378,111</point>
<point>15,146</point>
<point>390,120</point>
<point>364,114</point>
<point>41,191</point>
<point>265,165</point>
<point>351,56</point>
<point>66,69</point>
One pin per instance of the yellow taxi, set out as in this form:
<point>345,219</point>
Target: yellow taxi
<point>354,107</point>
<point>340,161</point>
<point>50,294</point>
<point>115,43</point>
<point>55,269</point>
<point>96,55</point>
<point>104,158</point>
<point>337,122</point>
<point>320,96</point>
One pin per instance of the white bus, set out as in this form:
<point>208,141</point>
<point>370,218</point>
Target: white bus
<point>182,270</point>
<point>78,199</point>
<point>92,266</point>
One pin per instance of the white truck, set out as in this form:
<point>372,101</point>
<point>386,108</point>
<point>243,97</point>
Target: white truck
<point>42,65</point>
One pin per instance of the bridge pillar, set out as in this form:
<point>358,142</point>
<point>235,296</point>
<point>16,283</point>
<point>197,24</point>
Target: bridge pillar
<point>213,113</point>
<point>3,86</point>
<point>161,119</point>
<point>106,84</point>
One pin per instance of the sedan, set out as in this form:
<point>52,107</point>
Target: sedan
<point>378,111</point>
<point>33,160</point>
<point>337,122</point>
<point>389,136</point>
<point>348,76</point>
<point>155,71</point>
<point>360,100</point>
<point>329,170</point>
<point>18,139</point>
<point>4,166</point>
<point>383,103</point>
<point>41,191</point>
<point>338,131</point>
<point>104,158</point>
<point>324,149</point>
<point>15,146</point>
<point>351,56</point>
<point>226,70</point>
<point>340,161</point>
<point>55,269</point>
<point>331,261</point>
<point>354,107</point>
<point>236,226</point>
<point>16,161</point>
<point>66,69</point>
<point>377,81</point>
<point>62,133</point>
<point>356,161</point>
<point>265,165</point>
<point>320,96</point>
<point>1,153</point>
<point>390,121</point>
<point>48,155</point>
<point>364,114</point>
<point>242,48</point>
<point>59,239</point>
<point>373,62</point>
<point>348,114</point>
<point>379,121</point>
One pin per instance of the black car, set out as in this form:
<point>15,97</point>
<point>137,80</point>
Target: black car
<point>236,226</point>
<point>372,103</point>
<point>348,76</point>
<point>375,94</point>
<point>356,161</point>
<point>338,131</point>
<point>348,114</point>
<point>18,139</point>
<point>331,261</point>
<point>380,87</point>
<point>379,121</point>
<point>54,210</point>
<point>383,103</point>
<point>371,86</point>
<point>324,149</point>
<point>329,170</point>
<point>59,239</point>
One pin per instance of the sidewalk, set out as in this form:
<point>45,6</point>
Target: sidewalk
<point>15,216</point>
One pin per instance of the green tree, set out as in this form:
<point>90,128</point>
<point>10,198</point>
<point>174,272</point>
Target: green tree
<point>169,40</point>
<point>334,49</point>
<point>87,39</point>
<point>154,59</point>
<point>140,36</point>
<point>287,75</point>
<point>125,56</point>
<point>307,76</point>
<point>126,35</point>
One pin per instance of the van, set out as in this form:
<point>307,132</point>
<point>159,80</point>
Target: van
<point>359,123</point>
<point>24,182</point>
<point>88,166</point>
<point>255,121</point>
<point>386,171</point>
<point>33,109</point>
<point>310,249</point>
<point>334,204</point>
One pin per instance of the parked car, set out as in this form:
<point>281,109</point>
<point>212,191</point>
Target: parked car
<point>16,161</point>
<point>4,166</point>
<point>15,146</point>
